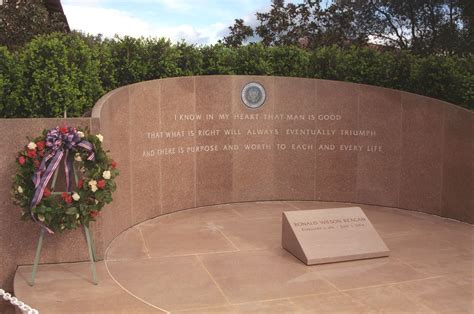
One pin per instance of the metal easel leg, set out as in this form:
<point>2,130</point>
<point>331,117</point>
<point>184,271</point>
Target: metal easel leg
<point>94,256</point>
<point>91,254</point>
<point>37,257</point>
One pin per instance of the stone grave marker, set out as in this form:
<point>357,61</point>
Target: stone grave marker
<point>331,235</point>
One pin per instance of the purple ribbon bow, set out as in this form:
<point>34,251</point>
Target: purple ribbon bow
<point>59,141</point>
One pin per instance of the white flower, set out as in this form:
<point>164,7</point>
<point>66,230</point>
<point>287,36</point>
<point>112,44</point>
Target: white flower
<point>106,174</point>
<point>80,133</point>
<point>20,189</point>
<point>76,197</point>
<point>100,137</point>
<point>31,145</point>
<point>93,185</point>
<point>96,202</point>
<point>77,157</point>
<point>77,216</point>
<point>40,217</point>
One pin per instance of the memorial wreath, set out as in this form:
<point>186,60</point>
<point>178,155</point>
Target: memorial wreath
<point>83,159</point>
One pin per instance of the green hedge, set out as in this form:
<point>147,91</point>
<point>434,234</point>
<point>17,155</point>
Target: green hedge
<point>9,84</point>
<point>72,71</point>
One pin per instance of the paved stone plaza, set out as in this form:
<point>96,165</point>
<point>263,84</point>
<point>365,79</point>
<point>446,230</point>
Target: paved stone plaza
<point>228,258</point>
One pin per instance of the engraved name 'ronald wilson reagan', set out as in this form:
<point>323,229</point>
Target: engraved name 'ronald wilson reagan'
<point>331,235</point>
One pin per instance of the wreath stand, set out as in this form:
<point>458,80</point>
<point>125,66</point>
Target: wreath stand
<point>90,244</point>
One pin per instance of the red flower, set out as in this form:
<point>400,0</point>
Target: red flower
<point>36,163</point>
<point>41,153</point>
<point>21,160</point>
<point>63,129</point>
<point>46,192</point>
<point>94,213</point>
<point>40,145</point>
<point>80,184</point>
<point>101,184</point>
<point>31,153</point>
<point>66,197</point>
<point>113,164</point>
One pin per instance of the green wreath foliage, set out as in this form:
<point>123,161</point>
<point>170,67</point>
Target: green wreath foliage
<point>58,211</point>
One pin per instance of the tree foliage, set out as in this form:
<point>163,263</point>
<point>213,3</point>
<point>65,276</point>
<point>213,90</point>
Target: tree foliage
<point>421,26</point>
<point>239,32</point>
<point>21,20</point>
<point>424,27</point>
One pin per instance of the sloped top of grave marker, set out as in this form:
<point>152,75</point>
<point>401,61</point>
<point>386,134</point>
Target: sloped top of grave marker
<point>331,235</point>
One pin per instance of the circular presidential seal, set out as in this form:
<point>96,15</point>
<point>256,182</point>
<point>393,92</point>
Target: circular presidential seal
<point>253,95</point>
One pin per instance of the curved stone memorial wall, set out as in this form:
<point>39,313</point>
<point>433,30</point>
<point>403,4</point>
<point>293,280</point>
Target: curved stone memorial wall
<point>194,141</point>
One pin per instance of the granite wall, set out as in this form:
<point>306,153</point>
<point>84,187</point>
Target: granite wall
<point>188,142</point>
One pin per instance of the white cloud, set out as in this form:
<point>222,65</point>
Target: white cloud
<point>177,5</point>
<point>81,2</point>
<point>109,22</point>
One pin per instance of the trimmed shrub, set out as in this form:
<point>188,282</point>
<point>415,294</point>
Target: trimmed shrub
<point>10,89</point>
<point>189,59</point>
<point>289,61</point>
<point>162,58</point>
<point>445,77</point>
<point>129,59</point>
<point>253,59</point>
<point>71,71</point>
<point>218,59</point>
<point>59,73</point>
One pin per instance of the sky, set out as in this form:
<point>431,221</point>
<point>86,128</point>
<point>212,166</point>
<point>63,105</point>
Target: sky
<point>195,21</point>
